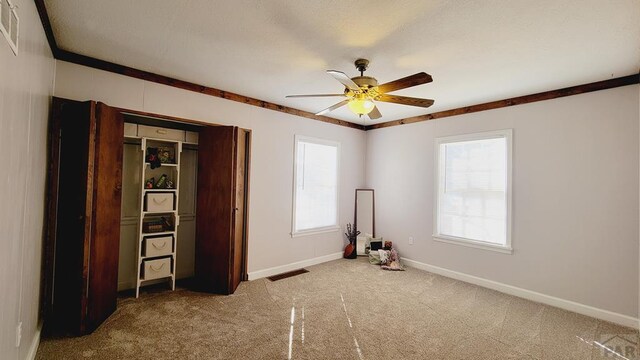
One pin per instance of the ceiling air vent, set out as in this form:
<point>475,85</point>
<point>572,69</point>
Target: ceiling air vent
<point>9,24</point>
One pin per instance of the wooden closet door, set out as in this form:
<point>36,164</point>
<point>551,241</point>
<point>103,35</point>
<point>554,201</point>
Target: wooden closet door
<point>105,230</point>
<point>217,263</point>
<point>239,240</point>
<point>75,130</point>
<point>87,213</point>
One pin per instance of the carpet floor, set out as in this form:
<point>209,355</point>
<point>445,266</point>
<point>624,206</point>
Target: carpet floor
<point>345,309</point>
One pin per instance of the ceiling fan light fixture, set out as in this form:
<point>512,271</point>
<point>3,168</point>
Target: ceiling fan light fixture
<point>360,91</point>
<point>361,106</point>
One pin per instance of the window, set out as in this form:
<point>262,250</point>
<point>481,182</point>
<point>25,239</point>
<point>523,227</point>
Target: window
<point>473,187</point>
<point>315,188</point>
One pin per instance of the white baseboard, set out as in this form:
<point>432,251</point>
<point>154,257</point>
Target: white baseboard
<point>253,275</point>
<point>606,315</point>
<point>33,348</point>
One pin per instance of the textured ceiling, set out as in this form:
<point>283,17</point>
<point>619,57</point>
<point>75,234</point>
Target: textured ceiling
<point>476,51</point>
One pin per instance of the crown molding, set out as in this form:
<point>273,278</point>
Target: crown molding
<point>547,95</point>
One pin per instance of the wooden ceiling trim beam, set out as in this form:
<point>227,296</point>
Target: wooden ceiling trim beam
<point>75,58</point>
<point>46,25</point>
<point>547,95</point>
<point>185,85</point>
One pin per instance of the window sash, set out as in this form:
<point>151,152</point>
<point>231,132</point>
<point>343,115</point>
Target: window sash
<point>303,224</point>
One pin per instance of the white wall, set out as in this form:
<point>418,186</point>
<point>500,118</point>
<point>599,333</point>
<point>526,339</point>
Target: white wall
<point>26,85</point>
<point>575,196</point>
<point>270,244</point>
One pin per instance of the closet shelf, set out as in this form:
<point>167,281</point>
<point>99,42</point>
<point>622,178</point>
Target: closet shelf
<point>159,212</point>
<point>155,257</point>
<point>159,190</point>
<point>164,164</point>
<point>172,232</point>
<point>141,280</point>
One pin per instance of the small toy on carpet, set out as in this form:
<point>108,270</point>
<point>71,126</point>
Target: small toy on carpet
<point>387,257</point>
<point>392,260</point>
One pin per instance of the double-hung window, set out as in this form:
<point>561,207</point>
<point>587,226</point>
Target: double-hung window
<point>315,189</point>
<point>473,190</point>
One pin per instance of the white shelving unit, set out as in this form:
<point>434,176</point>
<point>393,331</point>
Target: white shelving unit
<point>156,250</point>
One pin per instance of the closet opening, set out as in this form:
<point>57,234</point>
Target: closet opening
<point>159,200</point>
<point>135,200</point>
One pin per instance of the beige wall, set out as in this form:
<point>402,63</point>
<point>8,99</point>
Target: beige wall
<point>26,84</point>
<point>270,244</point>
<point>575,197</point>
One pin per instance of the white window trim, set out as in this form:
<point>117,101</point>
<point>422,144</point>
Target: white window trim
<point>506,134</point>
<point>318,230</point>
<point>315,231</point>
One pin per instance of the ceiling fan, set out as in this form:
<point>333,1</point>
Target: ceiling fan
<point>361,91</point>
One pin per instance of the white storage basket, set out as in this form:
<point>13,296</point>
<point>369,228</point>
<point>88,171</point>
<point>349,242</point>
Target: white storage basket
<point>156,269</point>
<point>158,246</point>
<point>158,202</point>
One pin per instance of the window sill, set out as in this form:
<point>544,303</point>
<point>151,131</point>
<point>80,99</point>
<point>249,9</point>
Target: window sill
<point>473,244</point>
<point>315,231</point>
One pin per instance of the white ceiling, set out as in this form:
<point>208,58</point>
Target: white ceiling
<point>476,51</point>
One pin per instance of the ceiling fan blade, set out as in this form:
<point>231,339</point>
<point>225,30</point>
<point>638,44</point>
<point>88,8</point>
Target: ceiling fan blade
<point>315,95</point>
<point>344,79</point>
<point>375,113</point>
<point>406,82</point>
<point>405,100</point>
<point>333,107</point>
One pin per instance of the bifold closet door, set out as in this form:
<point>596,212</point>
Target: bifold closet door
<point>238,272</point>
<point>87,145</point>
<point>105,229</point>
<point>220,213</point>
